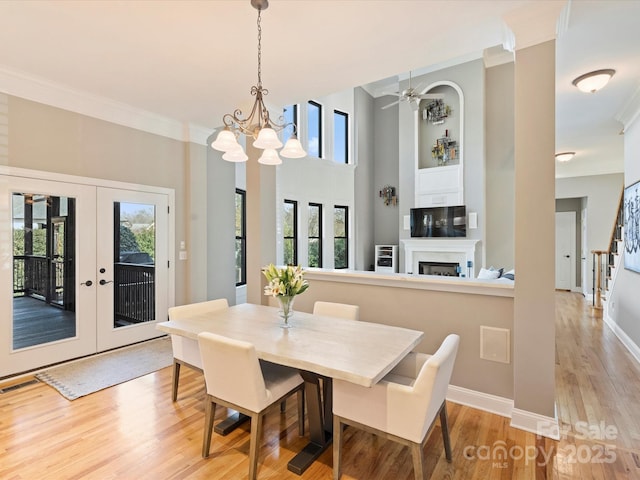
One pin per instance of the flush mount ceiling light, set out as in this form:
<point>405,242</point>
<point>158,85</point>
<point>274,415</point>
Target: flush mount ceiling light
<point>593,81</point>
<point>564,156</point>
<point>258,124</point>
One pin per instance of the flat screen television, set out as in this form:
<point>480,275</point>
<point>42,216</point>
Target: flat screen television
<point>439,222</point>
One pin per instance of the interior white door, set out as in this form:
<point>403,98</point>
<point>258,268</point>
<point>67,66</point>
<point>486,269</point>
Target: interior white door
<point>47,272</point>
<point>132,265</point>
<point>565,250</point>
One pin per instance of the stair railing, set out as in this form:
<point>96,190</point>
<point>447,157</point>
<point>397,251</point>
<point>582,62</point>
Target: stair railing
<point>604,260</point>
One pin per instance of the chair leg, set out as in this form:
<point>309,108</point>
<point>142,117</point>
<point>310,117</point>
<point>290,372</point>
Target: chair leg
<point>254,447</point>
<point>418,460</point>
<point>176,376</point>
<point>210,413</point>
<point>300,397</point>
<point>444,425</point>
<point>337,447</point>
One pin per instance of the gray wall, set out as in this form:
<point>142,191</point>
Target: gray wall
<point>603,194</point>
<point>574,205</point>
<point>386,140</point>
<point>448,312</point>
<point>499,210</point>
<point>219,221</point>
<point>41,137</point>
<point>470,77</point>
<point>364,217</point>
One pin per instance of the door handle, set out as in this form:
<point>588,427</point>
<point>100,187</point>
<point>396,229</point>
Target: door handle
<point>88,283</point>
<point>104,282</point>
<point>567,256</point>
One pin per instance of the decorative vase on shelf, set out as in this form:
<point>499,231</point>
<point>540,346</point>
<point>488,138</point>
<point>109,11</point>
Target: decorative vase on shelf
<point>286,309</point>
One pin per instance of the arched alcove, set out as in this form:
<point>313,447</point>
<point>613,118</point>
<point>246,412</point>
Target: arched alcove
<point>439,133</point>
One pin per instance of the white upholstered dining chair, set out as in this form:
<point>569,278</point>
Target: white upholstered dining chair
<point>341,310</point>
<point>251,387</point>
<point>402,407</point>
<point>185,350</point>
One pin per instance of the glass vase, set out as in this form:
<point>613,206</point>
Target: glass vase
<point>286,309</point>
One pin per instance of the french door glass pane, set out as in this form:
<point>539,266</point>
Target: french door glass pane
<point>134,263</point>
<point>43,228</point>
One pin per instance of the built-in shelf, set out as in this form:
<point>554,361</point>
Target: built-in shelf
<point>386,258</point>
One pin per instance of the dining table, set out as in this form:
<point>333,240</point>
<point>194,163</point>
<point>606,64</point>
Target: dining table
<point>322,348</point>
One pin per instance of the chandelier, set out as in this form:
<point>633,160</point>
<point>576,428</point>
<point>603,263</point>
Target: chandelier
<point>258,124</point>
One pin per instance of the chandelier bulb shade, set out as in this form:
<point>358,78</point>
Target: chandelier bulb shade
<point>593,81</point>
<point>257,124</point>
<point>267,138</point>
<point>235,154</point>
<point>564,156</point>
<point>293,148</point>
<point>225,141</point>
<point>270,157</point>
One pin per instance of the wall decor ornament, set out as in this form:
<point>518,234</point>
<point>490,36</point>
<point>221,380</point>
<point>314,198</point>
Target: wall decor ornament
<point>445,149</point>
<point>436,112</point>
<point>388,195</point>
<point>632,227</point>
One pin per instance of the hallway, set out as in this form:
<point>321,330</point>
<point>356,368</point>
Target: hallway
<point>597,396</point>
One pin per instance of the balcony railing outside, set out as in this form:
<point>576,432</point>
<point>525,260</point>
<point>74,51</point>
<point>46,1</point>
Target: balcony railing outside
<point>134,293</point>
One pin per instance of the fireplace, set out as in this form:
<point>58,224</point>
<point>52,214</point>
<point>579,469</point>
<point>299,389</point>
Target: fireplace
<point>444,269</point>
<point>457,251</point>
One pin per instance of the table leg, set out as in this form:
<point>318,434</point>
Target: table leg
<point>230,423</point>
<point>320,419</point>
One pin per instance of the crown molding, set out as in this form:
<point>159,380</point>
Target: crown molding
<point>534,24</point>
<point>630,112</point>
<point>496,56</point>
<point>29,87</point>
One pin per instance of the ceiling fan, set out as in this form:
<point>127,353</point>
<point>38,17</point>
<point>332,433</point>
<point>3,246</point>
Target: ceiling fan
<point>412,96</point>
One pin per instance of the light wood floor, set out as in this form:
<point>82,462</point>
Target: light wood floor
<point>134,431</point>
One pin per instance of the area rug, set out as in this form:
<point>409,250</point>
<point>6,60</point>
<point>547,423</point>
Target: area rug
<point>82,377</point>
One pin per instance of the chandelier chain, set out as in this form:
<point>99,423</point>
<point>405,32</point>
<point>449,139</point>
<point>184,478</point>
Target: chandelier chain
<point>259,49</point>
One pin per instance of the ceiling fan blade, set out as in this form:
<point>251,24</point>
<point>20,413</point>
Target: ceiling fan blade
<point>391,104</point>
<point>386,92</point>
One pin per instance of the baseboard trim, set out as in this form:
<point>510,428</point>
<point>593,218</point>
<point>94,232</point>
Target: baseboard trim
<point>480,400</point>
<point>521,419</point>
<point>536,423</point>
<point>628,343</point>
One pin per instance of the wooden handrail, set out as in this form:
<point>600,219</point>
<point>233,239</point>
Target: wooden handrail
<point>612,237</point>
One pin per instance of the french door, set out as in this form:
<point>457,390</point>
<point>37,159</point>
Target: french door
<point>83,268</point>
<point>132,266</point>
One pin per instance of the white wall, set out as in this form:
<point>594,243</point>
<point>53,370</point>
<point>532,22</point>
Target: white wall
<point>624,307</point>
<point>318,180</point>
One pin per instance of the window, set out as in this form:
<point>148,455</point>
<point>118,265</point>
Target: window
<point>290,232</point>
<point>241,237</point>
<point>290,116</point>
<point>314,129</point>
<point>315,235</point>
<point>340,137</point>
<point>341,237</point>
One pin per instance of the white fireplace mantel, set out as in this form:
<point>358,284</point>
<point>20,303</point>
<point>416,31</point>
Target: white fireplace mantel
<point>452,250</point>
